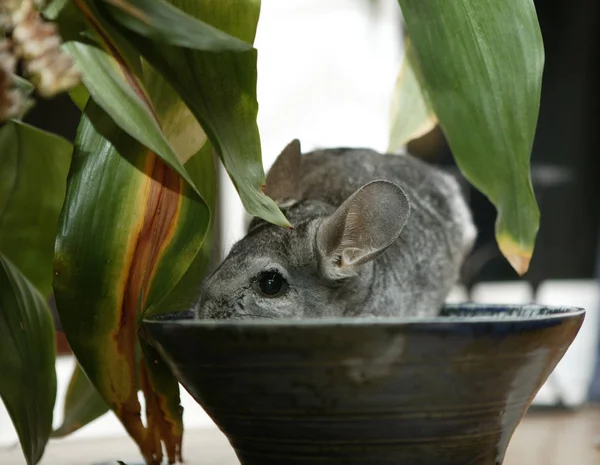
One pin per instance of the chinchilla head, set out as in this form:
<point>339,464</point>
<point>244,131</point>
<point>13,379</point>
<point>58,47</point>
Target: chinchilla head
<point>321,267</point>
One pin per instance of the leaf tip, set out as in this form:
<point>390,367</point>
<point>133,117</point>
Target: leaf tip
<point>518,257</point>
<point>269,211</point>
<point>285,223</point>
<point>520,263</point>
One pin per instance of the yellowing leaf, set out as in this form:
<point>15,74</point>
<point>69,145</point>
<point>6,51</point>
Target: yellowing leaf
<point>129,230</point>
<point>481,64</point>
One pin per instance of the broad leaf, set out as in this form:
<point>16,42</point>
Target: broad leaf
<point>124,99</point>
<point>128,232</point>
<point>27,353</point>
<point>161,388</point>
<point>83,404</point>
<point>71,22</point>
<point>181,128</point>
<point>112,74</point>
<point>481,62</point>
<point>219,87</point>
<point>32,189</point>
<point>412,116</point>
<point>80,96</point>
<point>185,293</point>
<point>156,20</point>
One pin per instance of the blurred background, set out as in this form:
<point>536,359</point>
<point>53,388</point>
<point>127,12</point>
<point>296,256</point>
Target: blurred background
<point>327,72</point>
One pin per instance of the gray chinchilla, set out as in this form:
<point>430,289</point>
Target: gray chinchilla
<point>374,235</point>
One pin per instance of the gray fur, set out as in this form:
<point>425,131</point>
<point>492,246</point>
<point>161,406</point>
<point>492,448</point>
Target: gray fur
<point>358,247</point>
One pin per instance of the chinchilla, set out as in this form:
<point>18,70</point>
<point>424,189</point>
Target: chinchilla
<point>373,235</point>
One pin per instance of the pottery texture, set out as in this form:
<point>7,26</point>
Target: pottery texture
<point>444,391</point>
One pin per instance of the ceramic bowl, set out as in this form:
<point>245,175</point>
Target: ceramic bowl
<point>448,390</point>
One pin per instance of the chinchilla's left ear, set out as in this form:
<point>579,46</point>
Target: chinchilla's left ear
<point>283,177</point>
<point>365,225</point>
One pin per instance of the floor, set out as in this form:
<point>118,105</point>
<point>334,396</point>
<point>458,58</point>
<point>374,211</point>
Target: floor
<point>543,438</point>
<point>556,438</point>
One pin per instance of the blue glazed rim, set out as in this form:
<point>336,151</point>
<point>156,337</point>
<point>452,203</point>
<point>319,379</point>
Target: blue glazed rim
<point>450,315</point>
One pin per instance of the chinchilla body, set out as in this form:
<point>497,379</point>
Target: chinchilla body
<point>373,235</point>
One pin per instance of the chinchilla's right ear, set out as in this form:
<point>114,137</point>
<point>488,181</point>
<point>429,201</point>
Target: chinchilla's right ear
<point>283,177</point>
<point>364,226</point>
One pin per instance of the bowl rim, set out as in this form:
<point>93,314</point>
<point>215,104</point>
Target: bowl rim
<point>554,313</point>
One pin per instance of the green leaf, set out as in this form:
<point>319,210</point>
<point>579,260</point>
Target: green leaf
<point>32,189</point>
<point>481,63</point>
<point>80,96</point>
<point>219,87</point>
<point>155,20</point>
<point>27,354</point>
<point>179,125</point>
<point>129,230</point>
<point>69,19</point>
<point>185,294</point>
<point>412,116</point>
<point>112,74</point>
<point>83,404</point>
<point>124,100</point>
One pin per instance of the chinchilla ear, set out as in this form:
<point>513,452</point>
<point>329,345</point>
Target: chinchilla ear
<point>283,179</point>
<point>366,224</point>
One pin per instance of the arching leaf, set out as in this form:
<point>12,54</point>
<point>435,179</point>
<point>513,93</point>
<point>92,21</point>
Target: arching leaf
<point>27,354</point>
<point>83,404</point>
<point>481,62</point>
<point>219,87</point>
<point>128,232</point>
<point>32,189</point>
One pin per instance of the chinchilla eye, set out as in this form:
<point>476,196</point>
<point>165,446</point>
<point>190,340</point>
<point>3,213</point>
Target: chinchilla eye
<point>271,283</point>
